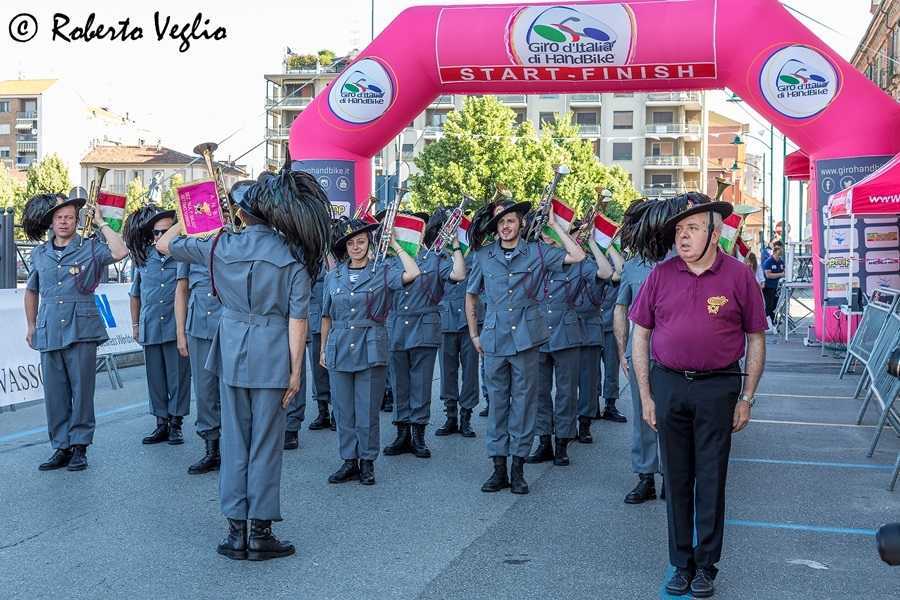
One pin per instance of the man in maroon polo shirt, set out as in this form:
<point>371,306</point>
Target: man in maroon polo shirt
<point>704,310</point>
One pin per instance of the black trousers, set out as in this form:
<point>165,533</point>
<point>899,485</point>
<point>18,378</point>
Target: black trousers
<point>694,420</point>
<point>770,295</point>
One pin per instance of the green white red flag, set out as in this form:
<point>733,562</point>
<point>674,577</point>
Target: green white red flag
<point>462,234</point>
<point>564,215</point>
<point>731,228</point>
<point>408,231</point>
<point>604,232</point>
<point>742,248</point>
<point>113,209</point>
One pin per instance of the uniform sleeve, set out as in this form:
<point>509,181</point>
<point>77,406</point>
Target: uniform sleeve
<point>184,271</point>
<point>299,304</point>
<point>753,314</point>
<point>552,259</point>
<point>103,254</point>
<point>135,291</point>
<point>394,274</point>
<point>33,284</point>
<point>191,250</point>
<point>326,296</point>
<point>625,296</point>
<point>642,311</point>
<point>476,278</point>
<point>445,268</point>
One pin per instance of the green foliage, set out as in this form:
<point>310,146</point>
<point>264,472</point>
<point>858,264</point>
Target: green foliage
<point>170,195</point>
<point>134,195</point>
<point>302,61</point>
<point>10,189</point>
<point>326,57</point>
<point>49,176</point>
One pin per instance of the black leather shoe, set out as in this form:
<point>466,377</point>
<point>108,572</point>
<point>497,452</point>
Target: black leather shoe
<point>262,545</point>
<point>387,403</point>
<point>349,471</point>
<point>450,426</point>
<point>234,546</point>
<point>176,436</point>
<point>611,413</point>
<point>486,410</point>
<point>366,472</point>
<point>584,431</point>
<point>323,421</point>
<point>679,584</point>
<point>499,479</point>
<point>402,444</point>
<point>333,425</point>
<point>517,481</point>
<point>544,451</point>
<point>561,456</point>
<point>210,461</point>
<point>702,584</point>
<point>160,434</point>
<point>291,440</point>
<point>79,459</point>
<point>465,423</point>
<point>419,447</point>
<point>662,488</point>
<point>60,459</point>
<point>643,491</point>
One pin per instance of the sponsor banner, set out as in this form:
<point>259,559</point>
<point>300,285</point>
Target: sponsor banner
<point>577,42</point>
<point>337,180</point>
<point>799,82</point>
<point>21,379</point>
<point>198,208</point>
<point>362,93</point>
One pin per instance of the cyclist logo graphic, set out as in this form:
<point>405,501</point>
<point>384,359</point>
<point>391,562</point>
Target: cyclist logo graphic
<point>362,93</point>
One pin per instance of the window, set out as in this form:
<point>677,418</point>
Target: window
<point>550,96</point>
<point>4,152</point>
<point>663,118</point>
<point>661,180</point>
<point>182,174</point>
<point>408,150</point>
<point>662,149</point>
<point>139,175</point>
<point>4,106</point>
<point>30,106</point>
<point>521,117</point>
<point>4,129</point>
<point>624,94</point>
<point>586,118</point>
<point>623,119</point>
<point>119,181</point>
<point>546,117</point>
<point>622,151</point>
<point>436,118</point>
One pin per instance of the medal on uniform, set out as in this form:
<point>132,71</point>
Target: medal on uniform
<point>74,270</point>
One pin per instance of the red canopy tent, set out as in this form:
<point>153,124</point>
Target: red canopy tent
<point>796,166</point>
<point>877,194</point>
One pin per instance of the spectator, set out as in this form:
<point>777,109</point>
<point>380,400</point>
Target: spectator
<point>773,267</point>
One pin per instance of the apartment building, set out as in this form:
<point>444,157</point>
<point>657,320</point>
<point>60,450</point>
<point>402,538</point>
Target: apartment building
<point>878,52</point>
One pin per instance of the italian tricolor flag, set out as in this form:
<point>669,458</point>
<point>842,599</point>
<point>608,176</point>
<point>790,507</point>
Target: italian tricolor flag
<point>113,209</point>
<point>731,227</point>
<point>604,232</point>
<point>564,215</point>
<point>408,232</point>
<point>742,248</point>
<point>462,234</point>
<point>368,218</point>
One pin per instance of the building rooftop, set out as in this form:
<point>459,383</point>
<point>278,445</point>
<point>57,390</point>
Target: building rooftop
<point>25,87</point>
<point>147,155</point>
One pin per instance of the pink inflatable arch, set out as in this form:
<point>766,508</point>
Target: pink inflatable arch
<point>753,47</point>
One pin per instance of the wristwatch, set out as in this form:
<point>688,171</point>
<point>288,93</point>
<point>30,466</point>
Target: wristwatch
<point>750,400</point>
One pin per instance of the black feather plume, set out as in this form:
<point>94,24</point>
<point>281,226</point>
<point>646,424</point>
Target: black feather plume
<point>643,231</point>
<point>478,229</point>
<point>34,216</point>
<point>136,235</point>
<point>434,224</point>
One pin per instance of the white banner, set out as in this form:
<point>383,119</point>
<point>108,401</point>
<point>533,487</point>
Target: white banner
<point>21,379</point>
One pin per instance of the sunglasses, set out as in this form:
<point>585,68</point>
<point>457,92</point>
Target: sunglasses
<point>159,232</point>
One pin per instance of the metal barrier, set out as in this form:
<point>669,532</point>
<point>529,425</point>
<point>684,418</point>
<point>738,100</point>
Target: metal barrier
<point>7,248</point>
<point>875,316</point>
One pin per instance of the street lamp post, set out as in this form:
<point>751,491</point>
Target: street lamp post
<point>735,168</point>
<point>738,141</point>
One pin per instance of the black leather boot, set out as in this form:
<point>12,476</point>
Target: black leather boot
<point>176,436</point>
<point>517,476</point>
<point>450,426</point>
<point>262,545</point>
<point>544,451</point>
<point>643,491</point>
<point>323,421</point>
<point>387,403</point>
<point>487,408</point>
<point>499,480</point>
<point>366,472</point>
<point>561,456</point>
<point>611,413</point>
<point>210,461</point>
<point>402,444</point>
<point>584,431</point>
<point>160,434</point>
<point>79,459</point>
<point>333,425</point>
<point>465,423</point>
<point>291,440</point>
<point>348,472</point>
<point>60,459</point>
<point>419,447</point>
<point>235,544</point>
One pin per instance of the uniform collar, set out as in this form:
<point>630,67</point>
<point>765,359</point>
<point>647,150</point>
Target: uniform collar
<point>364,274</point>
<point>72,246</point>
<point>714,268</point>
<point>499,251</point>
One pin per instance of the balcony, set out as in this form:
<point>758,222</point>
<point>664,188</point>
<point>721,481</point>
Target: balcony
<point>287,102</point>
<point>512,98</point>
<point>445,100</point>
<point>432,132</point>
<point>662,98</point>
<point>26,145</point>
<point>276,133</point>
<point>26,120</point>
<point>691,163</point>
<point>588,131</point>
<point>655,191</point>
<point>24,162</point>
<point>584,99</point>
<point>315,70</point>
<point>673,130</point>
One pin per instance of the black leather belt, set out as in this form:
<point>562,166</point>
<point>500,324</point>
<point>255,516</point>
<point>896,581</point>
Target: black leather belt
<point>732,370</point>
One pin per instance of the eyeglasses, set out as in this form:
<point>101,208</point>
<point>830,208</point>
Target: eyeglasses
<point>159,232</point>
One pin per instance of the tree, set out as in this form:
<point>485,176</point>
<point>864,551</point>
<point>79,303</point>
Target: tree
<point>170,195</point>
<point>134,195</point>
<point>10,189</point>
<point>49,176</point>
<point>326,57</point>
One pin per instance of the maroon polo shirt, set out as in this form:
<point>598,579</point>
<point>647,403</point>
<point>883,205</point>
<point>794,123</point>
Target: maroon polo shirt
<point>699,322</point>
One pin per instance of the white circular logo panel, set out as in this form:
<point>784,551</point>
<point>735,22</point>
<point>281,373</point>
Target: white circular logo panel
<point>362,93</point>
<point>799,82</point>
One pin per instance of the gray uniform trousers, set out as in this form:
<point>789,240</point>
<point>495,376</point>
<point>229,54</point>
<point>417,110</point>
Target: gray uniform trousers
<point>589,381</point>
<point>512,387</point>
<point>556,414</point>
<point>296,411</point>
<point>252,447</point>
<point>206,390</point>
<point>644,441</point>
<point>168,380</point>
<point>69,378</point>
<point>321,390</point>
<point>413,373</point>
<point>456,350</point>
<point>357,401</point>
<point>610,356</point>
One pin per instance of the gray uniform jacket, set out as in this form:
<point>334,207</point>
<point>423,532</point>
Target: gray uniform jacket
<point>560,291</point>
<point>510,290</point>
<point>609,303</point>
<point>634,273</point>
<point>204,310</point>
<point>453,305</point>
<point>315,304</point>
<point>416,312</point>
<point>261,286</point>
<point>589,303</point>
<point>154,284</point>
<point>356,341</point>
<point>65,315</point>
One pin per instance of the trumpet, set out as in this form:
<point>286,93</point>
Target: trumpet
<point>449,229</point>
<point>387,229</point>
<point>542,215</point>
<point>90,207</point>
<point>365,209</point>
<point>604,197</point>
<point>722,184</point>
<point>206,150</point>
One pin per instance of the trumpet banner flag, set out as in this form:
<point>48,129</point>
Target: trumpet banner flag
<point>462,234</point>
<point>564,215</point>
<point>731,228</point>
<point>604,232</point>
<point>408,231</point>
<point>112,209</point>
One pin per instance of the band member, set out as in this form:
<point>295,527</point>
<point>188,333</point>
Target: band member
<point>321,390</point>
<point>295,415</point>
<point>609,351</point>
<point>414,336</point>
<point>507,274</point>
<point>701,307</point>
<point>262,276</point>
<point>355,303</point>
<point>153,323</point>
<point>197,315</point>
<point>63,322</point>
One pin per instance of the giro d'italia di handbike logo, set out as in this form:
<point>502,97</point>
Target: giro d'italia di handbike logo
<point>576,35</point>
<point>362,93</point>
<point>799,82</point>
